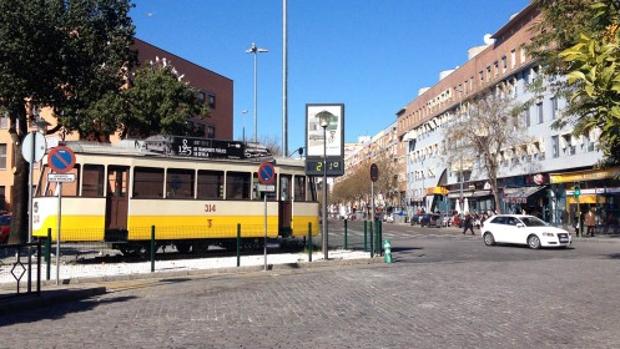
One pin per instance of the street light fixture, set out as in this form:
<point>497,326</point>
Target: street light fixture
<point>324,119</point>
<point>255,50</point>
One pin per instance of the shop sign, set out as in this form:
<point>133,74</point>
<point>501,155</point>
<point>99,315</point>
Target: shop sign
<point>584,175</point>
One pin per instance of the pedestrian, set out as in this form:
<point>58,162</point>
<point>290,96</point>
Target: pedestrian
<point>590,221</point>
<point>468,224</point>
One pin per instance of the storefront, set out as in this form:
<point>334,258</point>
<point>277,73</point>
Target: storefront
<point>598,190</point>
<point>529,200</point>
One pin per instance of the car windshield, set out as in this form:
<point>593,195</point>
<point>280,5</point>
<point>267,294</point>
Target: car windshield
<point>533,222</point>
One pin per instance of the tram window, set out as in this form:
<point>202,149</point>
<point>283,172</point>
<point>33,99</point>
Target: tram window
<point>68,189</point>
<point>210,184</point>
<point>256,195</point>
<point>312,187</point>
<point>180,184</point>
<point>300,188</point>
<point>285,187</point>
<point>148,183</point>
<point>237,185</point>
<point>92,183</point>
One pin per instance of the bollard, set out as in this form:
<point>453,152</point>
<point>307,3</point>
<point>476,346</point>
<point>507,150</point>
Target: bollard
<point>372,245</point>
<point>48,254</point>
<point>365,236</point>
<point>38,267</point>
<point>387,249</point>
<point>309,242</point>
<point>238,245</point>
<point>346,242</point>
<point>379,236</point>
<point>152,248</point>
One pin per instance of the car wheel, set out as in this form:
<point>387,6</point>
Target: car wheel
<point>533,242</point>
<point>489,240</point>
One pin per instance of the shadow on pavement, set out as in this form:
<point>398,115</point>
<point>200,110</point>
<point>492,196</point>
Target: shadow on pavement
<point>56,310</point>
<point>614,256</point>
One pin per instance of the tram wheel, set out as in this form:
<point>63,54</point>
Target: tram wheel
<point>183,247</point>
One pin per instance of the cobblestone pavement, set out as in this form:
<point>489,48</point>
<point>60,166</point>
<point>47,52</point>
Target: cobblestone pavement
<point>443,292</point>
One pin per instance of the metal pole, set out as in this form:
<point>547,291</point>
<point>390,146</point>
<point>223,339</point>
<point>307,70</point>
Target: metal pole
<point>238,244</point>
<point>365,236</point>
<point>39,267</point>
<point>346,242</point>
<point>255,100</point>
<point>152,248</point>
<point>58,234</point>
<point>461,184</point>
<point>265,242</point>
<point>30,181</point>
<point>373,228</point>
<point>284,79</point>
<point>325,239</point>
<point>48,253</point>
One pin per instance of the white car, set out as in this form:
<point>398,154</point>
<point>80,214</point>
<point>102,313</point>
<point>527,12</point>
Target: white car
<point>523,230</point>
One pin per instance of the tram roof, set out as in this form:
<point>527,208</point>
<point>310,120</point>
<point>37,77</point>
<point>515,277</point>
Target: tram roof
<point>134,148</point>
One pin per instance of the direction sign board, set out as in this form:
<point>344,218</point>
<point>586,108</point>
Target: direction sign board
<point>266,173</point>
<point>34,152</point>
<point>61,159</point>
<point>374,172</point>
<point>61,177</point>
<point>270,188</point>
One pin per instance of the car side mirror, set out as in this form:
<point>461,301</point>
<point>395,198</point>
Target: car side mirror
<point>520,225</point>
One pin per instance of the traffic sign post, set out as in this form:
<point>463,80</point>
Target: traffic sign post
<point>33,150</point>
<point>374,175</point>
<point>61,160</point>
<point>266,180</point>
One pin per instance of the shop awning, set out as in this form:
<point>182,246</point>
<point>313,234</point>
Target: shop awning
<point>436,191</point>
<point>578,176</point>
<point>520,195</point>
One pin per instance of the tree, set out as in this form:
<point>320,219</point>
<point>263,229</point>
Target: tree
<point>66,55</point>
<point>492,125</point>
<point>159,102</point>
<point>579,40</point>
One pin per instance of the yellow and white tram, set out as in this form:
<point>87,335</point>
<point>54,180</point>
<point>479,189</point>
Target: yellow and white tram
<point>120,193</point>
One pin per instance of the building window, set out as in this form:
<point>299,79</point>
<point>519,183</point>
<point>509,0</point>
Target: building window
<point>201,96</point>
<point>555,144</point>
<point>3,156</point>
<point>211,101</point>
<point>481,75</point>
<point>539,107</point>
<point>513,59</point>
<point>496,66</point>
<point>4,121</point>
<point>522,54</point>
<point>527,118</point>
<point>554,106</point>
<point>504,64</point>
<point>210,132</point>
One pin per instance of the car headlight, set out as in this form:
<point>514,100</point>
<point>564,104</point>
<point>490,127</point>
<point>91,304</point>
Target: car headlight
<point>549,235</point>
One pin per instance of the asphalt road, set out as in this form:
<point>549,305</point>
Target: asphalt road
<point>445,290</point>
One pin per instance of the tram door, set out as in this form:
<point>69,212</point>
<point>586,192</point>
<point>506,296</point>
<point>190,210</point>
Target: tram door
<point>285,206</point>
<point>117,198</point>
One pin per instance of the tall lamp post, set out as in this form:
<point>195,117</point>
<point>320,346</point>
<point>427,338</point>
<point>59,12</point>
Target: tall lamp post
<point>255,51</point>
<point>324,118</point>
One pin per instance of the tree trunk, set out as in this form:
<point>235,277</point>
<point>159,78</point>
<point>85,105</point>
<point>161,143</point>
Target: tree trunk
<point>498,208</point>
<point>19,191</point>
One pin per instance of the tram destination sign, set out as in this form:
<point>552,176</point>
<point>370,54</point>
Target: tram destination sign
<point>206,148</point>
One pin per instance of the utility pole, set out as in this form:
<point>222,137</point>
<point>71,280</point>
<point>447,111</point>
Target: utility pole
<point>255,51</point>
<point>284,79</point>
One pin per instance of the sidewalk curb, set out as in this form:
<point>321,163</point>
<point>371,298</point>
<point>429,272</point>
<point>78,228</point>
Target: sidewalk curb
<point>47,297</point>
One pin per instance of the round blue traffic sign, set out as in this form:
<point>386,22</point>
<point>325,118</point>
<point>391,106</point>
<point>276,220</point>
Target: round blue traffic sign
<point>61,159</point>
<point>266,173</point>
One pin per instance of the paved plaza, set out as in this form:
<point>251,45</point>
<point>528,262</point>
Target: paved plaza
<point>444,291</point>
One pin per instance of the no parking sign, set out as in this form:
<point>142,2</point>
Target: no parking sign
<point>61,159</point>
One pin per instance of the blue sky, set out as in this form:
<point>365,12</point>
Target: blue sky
<point>371,55</point>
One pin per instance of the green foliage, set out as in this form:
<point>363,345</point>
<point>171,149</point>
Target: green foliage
<point>159,102</point>
<point>579,40</point>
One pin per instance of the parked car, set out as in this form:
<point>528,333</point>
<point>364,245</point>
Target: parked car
<point>5,228</point>
<point>523,230</point>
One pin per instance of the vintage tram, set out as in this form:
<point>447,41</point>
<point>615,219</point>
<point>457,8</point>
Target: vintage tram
<point>191,198</point>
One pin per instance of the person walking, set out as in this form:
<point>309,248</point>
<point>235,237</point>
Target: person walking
<point>590,222</point>
<point>468,224</point>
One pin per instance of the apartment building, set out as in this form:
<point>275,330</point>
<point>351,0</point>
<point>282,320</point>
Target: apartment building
<point>536,177</point>
<point>215,89</point>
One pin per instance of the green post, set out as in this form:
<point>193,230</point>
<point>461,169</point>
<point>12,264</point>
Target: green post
<point>238,245</point>
<point>48,254</point>
<point>380,237</point>
<point>365,236</point>
<point>309,242</point>
<point>371,233</point>
<point>152,248</point>
<point>346,239</point>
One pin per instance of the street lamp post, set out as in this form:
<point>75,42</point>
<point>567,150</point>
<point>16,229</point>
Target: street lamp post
<point>324,118</point>
<point>255,51</point>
